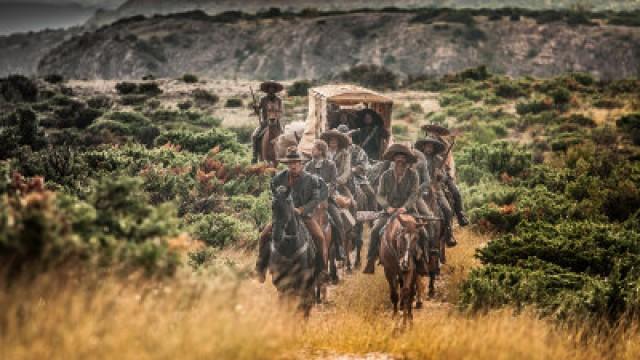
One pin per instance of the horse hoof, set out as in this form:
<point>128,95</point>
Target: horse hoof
<point>419,305</point>
<point>349,271</point>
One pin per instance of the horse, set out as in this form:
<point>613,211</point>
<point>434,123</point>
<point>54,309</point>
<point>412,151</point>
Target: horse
<point>321,216</point>
<point>291,137</point>
<point>436,246</point>
<point>267,146</point>
<point>398,249</point>
<point>292,262</point>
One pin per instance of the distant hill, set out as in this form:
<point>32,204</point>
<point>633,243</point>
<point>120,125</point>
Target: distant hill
<point>163,7</point>
<point>23,17</point>
<point>317,45</point>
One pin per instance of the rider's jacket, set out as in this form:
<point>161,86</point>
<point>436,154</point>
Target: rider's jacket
<point>342,158</point>
<point>398,193</point>
<point>359,164</point>
<point>305,189</point>
<point>325,169</point>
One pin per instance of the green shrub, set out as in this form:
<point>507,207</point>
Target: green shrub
<point>299,88</point>
<point>100,103</point>
<point>220,230</point>
<point>54,78</point>
<point>371,76</point>
<point>630,124</point>
<point>233,103</point>
<point>535,106</point>
<point>133,99</point>
<point>185,105</point>
<point>126,88</point>
<point>509,90</point>
<point>190,78</point>
<point>201,142</point>
<point>18,88</point>
<point>204,97</point>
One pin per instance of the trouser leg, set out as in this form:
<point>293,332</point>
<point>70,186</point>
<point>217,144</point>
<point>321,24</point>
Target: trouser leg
<point>447,214</point>
<point>255,141</point>
<point>318,237</point>
<point>337,220</point>
<point>374,246</point>
<point>264,250</point>
<point>458,206</point>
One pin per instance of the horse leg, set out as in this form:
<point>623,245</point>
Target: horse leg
<point>432,283</point>
<point>421,288</point>
<point>393,291</point>
<point>358,244</point>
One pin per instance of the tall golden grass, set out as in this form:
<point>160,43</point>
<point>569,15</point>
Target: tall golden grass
<point>220,315</point>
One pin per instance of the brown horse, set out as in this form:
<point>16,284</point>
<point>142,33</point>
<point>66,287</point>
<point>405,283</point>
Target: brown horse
<point>267,145</point>
<point>321,216</point>
<point>398,248</point>
<point>436,248</point>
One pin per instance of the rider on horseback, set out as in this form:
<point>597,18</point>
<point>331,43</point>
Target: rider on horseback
<point>326,170</point>
<point>371,134</point>
<point>398,191</point>
<point>441,134</point>
<point>269,109</point>
<point>432,173</point>
<point>340,153</point>
<point>306,193</point>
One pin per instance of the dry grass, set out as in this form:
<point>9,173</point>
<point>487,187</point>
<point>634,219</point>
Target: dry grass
<point>220,316</point>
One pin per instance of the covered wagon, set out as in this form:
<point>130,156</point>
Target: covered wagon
<point>326,102</point>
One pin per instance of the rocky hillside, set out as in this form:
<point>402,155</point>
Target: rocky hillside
<point>318,45</point>
<point>22,52</point>
<point>153,7</point>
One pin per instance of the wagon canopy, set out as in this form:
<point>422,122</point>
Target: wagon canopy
<point>342,95</point>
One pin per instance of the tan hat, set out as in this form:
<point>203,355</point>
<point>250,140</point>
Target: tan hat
<point>396,149</point>
<point>343,140</point>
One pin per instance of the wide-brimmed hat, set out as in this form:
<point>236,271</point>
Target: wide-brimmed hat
<point>343,139</point>
<point>377,119</point>
<point>271,87</point>
<point>396,149</point>
<point>438,146</point>
<point>293,155</point>
<point>345,130</point>
<point>436,129</point>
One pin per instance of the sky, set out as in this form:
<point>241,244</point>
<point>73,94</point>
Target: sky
<point>91,3</point>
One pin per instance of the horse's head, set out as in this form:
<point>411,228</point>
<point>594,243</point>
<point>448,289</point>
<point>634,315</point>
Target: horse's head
<point>282,210</point>
<point>406,241</point>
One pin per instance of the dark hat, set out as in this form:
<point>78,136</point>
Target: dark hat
<point>293,155</point>
<point>436,129</point>
<point>271,87</point>
<point>438,146</point>
<point>396,149</point>
<point>377,119</point>
<point>343,139</point>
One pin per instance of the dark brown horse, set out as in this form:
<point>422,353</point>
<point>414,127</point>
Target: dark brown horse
<point>293,254</point>
<point>436,246</point>
<point>267,145</point>
<point>398,249</point>
<point>321,216</point>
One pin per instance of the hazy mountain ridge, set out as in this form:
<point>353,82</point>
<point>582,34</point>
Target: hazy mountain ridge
<point>318,47</point>
<point>163,7</point>
<point>33,16</point>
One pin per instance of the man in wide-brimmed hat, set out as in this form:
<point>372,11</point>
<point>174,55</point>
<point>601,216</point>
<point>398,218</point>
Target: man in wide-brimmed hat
<point>432,176</point>
<point>445,135</point>
<point>397,192</point>
<point>340,154</point>
<point>306,195</point>
<point>371,133</point>
<point>270,109</point>
<point>326,170</point>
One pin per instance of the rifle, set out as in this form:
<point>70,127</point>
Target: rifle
<point>446,155</point>
<point>255,103</point>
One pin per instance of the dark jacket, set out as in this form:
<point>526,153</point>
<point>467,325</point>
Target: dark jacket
<point>325,169</point>
<point>371,140</point>
<point>305,192</point>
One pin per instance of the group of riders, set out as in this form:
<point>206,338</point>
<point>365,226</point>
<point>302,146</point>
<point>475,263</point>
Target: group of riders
<point>418,180</point>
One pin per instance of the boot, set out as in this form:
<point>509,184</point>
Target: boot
<point>450,241</point>
<point>370,268</point>
<point>462,219</point>
<point>260,275</point>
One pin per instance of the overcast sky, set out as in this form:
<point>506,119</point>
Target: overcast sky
<point>93,3</point>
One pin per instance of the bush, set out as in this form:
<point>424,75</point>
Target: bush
<point>100,103</point>
<point>510,90</point>
<point>630,124</point>
<point>204,98</point>
<point>201,142</point>
<point>149,89</point>
<point>233,103</point>
<point>54,78</point>
<point>18,88</point>
<point>479,73</point>
<point>126,88</point>
<point>220,230</point>
<point>371,76</point>
<point>299,88</point>
<point>535,106</point>
<point>186,105</point>
<point>190,78</point>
